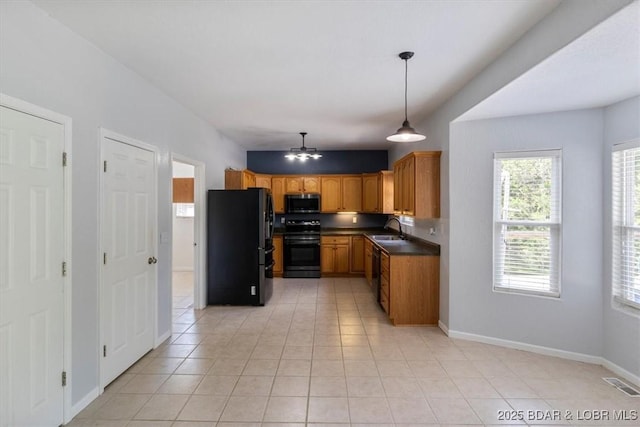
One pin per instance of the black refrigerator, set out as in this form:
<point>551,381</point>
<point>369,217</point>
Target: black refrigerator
<point>239,246</point>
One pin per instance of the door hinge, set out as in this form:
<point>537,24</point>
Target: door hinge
<point>104,351</point>
<point>104,258</point>
<point>105,165</point>
<point>64,269</point>
<point>64,158</point>
<point>64,378</point>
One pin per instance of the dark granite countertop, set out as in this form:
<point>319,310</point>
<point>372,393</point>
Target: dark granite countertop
<point>410,246</point>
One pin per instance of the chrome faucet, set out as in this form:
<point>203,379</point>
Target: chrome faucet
<point>386,226</point>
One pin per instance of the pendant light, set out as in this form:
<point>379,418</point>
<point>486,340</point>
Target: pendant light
<point>406,133</point>
<point>303,153</point>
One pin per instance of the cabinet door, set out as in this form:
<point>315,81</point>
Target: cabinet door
<point>352,193</point>
<point>311,184</point>
<point>277,191</point>
<point>327,258</point>
<point>331,199</point>
<point>368,261</point>
<point>294,184</point>
<point>248,179</point>
<point>263,181</point>
<point>277,255</point>
<point>341,259</point>
<point>357,254</point>
<point>370,192</point>
<point>397,188</point>
<point>410,183</point>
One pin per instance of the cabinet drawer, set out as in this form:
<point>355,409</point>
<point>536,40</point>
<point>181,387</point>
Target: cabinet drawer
<point>384,285</point>
<point>334,240</point>
<point>384,302</point>
<point>385,263</point>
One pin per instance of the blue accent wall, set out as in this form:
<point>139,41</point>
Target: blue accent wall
<point>332,162</point>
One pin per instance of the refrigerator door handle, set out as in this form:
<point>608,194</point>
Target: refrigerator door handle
<point>270,266</point>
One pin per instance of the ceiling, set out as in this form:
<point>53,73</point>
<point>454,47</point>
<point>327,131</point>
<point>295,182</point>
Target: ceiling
<point>600,68</point>
<point>261,72</point>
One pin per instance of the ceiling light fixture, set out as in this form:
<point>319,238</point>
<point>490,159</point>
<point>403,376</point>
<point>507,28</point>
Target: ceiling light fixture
<point>406,133</point>
<point>303,153</point>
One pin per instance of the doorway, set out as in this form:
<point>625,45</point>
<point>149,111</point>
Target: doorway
<point>187,240</point>
<point>183,253</point>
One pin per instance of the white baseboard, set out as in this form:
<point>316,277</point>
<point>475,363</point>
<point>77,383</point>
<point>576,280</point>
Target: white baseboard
<point>443,327</point>
<point>547,351</point>
<point>635,379</point>
<point>162,338</point>
<point>182,269</point>
<point>84,402</point>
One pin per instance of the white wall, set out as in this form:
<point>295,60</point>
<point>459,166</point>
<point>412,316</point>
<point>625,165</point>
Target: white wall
<point>621,330</point>
<point>572,322</point>
<point>44,63</point>
<point>183,227</point>
<point>564,24</point>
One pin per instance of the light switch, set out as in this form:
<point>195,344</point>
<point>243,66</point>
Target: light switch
<point>355,219</point>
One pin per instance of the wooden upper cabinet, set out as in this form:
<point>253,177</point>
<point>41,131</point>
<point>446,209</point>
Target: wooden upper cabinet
<point>277,192</point>
<point>370,193</point>
<point>331,199</point>
<point>377,192</point>
<point>417,184</point>
<point>182,190</point>
<point>302,184</point>
<point>239,180</point>
<point>263,181</point>
<point>341,193</point>
<point>352,193</point>
<point>385,192</point>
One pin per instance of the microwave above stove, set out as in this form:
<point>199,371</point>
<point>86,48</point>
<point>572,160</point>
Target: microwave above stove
<point>302,203</point>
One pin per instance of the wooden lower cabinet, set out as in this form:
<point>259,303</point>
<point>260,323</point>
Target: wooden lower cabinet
<point>410,285</point>
<point>342,255</point>
<point>357,254</point>
<point>334,255</point>
<point>368,261</point>
<point>277,256</point>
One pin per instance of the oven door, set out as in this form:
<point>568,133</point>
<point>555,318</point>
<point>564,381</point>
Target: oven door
<point>301,253</point>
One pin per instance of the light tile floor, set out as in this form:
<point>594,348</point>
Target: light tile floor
<point>182,290</point>
<point>322,353</point>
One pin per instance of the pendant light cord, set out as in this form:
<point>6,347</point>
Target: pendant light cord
<point>406,70</point>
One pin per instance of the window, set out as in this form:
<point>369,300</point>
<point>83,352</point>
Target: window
<point>527,222</point>
<point>184,210</point>
<point>626,223</point>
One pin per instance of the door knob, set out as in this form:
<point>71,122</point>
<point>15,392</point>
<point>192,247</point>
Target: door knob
<point>152,260</point>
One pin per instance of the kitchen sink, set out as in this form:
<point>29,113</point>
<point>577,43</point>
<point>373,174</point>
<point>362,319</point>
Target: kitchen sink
<point>387,237</point>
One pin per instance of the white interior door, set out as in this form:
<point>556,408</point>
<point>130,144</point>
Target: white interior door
<point>128,282</point>
<point>31,277</point>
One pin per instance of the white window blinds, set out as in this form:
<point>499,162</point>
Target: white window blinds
<point>626,223</point>
<point>527,222</point>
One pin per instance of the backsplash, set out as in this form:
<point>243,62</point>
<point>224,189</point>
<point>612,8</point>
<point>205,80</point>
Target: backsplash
<point>338,220</point>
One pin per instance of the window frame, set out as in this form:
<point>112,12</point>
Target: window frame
<point>555,226</point>
<point>621,215</point>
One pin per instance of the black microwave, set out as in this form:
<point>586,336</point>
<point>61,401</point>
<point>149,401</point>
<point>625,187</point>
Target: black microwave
<point>302,203</point>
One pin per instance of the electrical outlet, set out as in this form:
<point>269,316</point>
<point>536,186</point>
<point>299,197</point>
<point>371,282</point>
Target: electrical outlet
<point>282,220</point>
<point>355,219</point>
